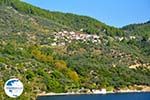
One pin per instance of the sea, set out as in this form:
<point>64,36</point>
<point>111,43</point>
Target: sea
<point>113,96</point>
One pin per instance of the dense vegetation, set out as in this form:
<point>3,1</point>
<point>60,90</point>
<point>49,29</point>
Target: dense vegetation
<point>142,31</point>
<point>26,34</point>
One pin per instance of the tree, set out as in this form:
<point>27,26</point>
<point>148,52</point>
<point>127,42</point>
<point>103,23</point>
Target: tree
<point>41,57</point>
<point>73,75</point>
<point>60,65</point>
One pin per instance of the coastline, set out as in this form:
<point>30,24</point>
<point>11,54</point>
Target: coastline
<point>108,92</point>
<point>67,94</point>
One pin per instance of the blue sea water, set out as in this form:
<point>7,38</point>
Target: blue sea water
<point>115,96</point>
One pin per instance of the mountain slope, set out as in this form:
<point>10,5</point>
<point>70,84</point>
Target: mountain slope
<point>48,52</point>
<point>142,33</point>
<point>75,22</point>
<point>142,29</point>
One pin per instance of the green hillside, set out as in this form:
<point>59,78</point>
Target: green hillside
<point>59,52</point>
<point>68,20</point>
<point>142,32</point>
<point>142,29</point>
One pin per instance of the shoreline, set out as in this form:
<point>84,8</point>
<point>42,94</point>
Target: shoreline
<point>67,94</point>
<point>130,89</point>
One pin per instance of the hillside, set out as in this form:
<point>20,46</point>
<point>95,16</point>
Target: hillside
<point>68,20</point>
<point>142,29</point>
<point>142,33</point>
<point>60,52</point>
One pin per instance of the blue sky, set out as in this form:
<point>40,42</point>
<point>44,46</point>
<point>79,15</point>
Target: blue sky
<point>112,12</point>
